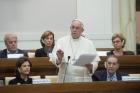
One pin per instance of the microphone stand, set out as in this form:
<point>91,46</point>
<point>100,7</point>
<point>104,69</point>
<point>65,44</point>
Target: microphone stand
<point>66,69</point>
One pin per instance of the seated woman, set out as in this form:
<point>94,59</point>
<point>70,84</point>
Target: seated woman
<point>23,67</point>
<point>47,42</point>
<point>118,42</point>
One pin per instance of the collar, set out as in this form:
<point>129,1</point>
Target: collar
<point>111,77</point>
<point>77,39</point>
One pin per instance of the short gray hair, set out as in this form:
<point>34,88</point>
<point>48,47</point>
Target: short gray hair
<point>9,35</point>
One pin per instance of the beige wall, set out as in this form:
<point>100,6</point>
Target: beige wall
<point>30,18</point>
<point>138,27</point>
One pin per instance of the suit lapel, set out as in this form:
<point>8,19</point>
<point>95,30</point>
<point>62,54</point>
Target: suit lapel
<point>5,53</point>
<point>104,75</point>
<point>118,76</point>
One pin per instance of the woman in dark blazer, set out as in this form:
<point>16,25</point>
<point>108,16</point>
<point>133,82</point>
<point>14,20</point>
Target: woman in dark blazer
<point>23,67</point>
<point>118,42</point>
<point>47,42</point>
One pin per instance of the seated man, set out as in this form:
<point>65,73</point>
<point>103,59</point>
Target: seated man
<point>111,73</point>
<point>11,46</point>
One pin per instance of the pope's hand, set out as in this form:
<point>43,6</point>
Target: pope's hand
<point>89,67</point>
<point>60,54</point>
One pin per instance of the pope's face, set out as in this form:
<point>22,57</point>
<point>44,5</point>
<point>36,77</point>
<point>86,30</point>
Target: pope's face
<point>76,29</point>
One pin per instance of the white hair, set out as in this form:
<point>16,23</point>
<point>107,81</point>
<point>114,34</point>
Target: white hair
<point>6,37</point>
<point>79,21</point>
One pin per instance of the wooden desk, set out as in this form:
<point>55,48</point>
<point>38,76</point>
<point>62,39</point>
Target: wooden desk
<point>129,64</point>
<point>42,66</point>
<point>95,87</point>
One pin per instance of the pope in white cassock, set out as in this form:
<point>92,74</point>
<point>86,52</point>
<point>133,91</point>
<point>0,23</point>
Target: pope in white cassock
<point>68,49</point>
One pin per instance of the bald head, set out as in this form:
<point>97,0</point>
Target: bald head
<point>11,42</point>
<point>76,28</point>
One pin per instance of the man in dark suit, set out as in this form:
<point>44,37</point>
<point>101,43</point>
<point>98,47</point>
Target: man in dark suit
<point>11,46</point>
<point>111,73</point>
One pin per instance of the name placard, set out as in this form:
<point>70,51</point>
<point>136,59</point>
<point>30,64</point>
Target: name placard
<point>130,78</point>
<point>41,81</point>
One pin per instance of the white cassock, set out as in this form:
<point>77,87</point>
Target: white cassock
<point>74,48</point>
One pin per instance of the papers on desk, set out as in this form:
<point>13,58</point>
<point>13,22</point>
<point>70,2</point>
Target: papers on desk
<point>84,59</point>
<point>14,55</point>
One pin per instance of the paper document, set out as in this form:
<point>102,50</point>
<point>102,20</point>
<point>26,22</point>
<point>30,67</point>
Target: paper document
<point>130,78</point>
<point>85,59</point>
<point>14,55</point>
<point>41,81</point>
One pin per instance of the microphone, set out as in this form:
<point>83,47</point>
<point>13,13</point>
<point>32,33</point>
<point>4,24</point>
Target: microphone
<point>66,69</point>
<point>68,58</point>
